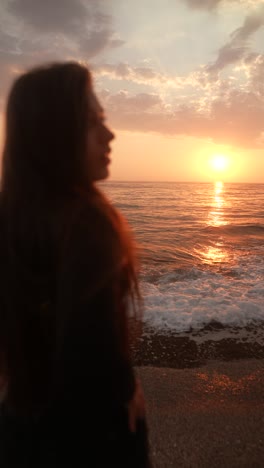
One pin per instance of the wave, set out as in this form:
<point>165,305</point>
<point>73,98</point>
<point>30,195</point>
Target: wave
<point>236,229</point>
<point>185,299</point>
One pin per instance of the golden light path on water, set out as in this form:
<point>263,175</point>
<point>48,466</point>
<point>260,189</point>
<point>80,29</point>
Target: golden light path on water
<point>216,217</point>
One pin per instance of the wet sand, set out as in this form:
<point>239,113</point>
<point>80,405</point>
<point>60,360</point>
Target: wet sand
<point>211,416</point>
<point>205,396</point>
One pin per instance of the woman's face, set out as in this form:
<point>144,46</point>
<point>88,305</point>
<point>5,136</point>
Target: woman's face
<point>97,142</point>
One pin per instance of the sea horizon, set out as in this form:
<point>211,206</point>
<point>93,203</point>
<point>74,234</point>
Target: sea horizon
<point>179,181</point>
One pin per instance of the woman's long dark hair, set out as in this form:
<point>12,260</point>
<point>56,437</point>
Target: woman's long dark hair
<point>43,164</point>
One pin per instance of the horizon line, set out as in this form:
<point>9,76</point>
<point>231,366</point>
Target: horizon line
<point>178,181</point>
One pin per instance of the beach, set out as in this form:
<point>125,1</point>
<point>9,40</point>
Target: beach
<point>203,412</point>
<point>205,396</point>
<point>211,416</point>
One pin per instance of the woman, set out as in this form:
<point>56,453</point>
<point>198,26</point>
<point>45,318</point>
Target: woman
<point>68,274</point>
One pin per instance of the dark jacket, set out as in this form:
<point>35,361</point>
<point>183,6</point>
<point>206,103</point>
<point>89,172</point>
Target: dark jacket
<point>85,415</point>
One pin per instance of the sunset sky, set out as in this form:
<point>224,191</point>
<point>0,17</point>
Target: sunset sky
<point>182,81</point>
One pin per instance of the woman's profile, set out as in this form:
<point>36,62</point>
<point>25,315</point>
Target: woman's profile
<point>67,278</point>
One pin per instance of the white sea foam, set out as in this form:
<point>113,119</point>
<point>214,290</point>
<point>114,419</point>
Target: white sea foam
<point>203,296</point>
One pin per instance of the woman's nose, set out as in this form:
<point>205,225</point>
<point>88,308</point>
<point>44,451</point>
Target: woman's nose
<point>109,134</point>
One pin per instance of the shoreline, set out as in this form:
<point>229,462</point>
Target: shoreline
<point>194,348</point>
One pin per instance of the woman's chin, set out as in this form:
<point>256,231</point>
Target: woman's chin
<point>103,174</point>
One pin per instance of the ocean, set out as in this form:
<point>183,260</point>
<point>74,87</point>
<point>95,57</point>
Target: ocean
<point>201,250</point>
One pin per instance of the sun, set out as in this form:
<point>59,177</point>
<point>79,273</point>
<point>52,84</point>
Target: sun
<point>219,162</point>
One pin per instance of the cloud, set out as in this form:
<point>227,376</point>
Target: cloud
<point>253,67</point>
<point>49,15</point>
<point>238,46</point>
<point>213,4</point>
<point>225,110</point>
<point>33,30</point>
<point>233,116</point>
<point>141,102</point>
<point>95,42</point>
<point>203,4</point>
<point>124,71</point>
<point>141,75</point>
<point>89,29</point>
<point>46,30</point>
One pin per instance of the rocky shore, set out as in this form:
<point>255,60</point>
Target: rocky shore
<point>196,347</point>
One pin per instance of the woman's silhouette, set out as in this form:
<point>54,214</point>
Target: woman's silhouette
<point>67,276</point>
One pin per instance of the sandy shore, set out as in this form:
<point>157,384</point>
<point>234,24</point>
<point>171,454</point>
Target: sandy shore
<point>205,395</point>
<point>211,416</point>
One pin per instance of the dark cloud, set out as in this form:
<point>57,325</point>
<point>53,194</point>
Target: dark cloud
<point>85,25</point>
<point>49,15</point>
<point>46,30</point>
<point>251,24</point>
<point>96,41</point>
<point>238,45</point>
<point>15,54</point>
<point>228,54</point>
<point>8,43</point>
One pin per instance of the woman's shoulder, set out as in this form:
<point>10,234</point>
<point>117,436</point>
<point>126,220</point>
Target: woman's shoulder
<point>91,211</point>
<point>89,218</point>
<point>91,237</point>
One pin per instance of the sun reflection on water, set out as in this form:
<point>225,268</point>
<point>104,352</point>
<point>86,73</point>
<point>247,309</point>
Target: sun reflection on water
<point>216,215</point>
<point>215,252</point>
